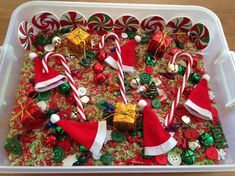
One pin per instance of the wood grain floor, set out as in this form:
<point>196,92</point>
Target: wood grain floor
<point>224,9</point>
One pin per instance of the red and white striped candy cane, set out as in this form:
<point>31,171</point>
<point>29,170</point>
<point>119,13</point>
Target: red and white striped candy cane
<point>70,79</point>
<point>169,117</point>
<point>119,62</point>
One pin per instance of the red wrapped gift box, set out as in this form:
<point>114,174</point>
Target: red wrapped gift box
<point>159,43</point>
<point>29,115</point>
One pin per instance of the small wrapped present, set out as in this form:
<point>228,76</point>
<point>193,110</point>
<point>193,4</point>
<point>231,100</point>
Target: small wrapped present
<point>125,116</point>
<point>159,43</point>
<point>78,40</point>
<point>28,114</point>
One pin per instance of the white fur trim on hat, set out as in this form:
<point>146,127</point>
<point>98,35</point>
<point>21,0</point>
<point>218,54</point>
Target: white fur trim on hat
<point>161,149</point>
<point>113,63</point>
<point>99,138</point>
<point>54,118</point>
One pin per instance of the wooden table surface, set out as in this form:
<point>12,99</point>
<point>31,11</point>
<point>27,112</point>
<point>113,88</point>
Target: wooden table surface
<point>224,9</point>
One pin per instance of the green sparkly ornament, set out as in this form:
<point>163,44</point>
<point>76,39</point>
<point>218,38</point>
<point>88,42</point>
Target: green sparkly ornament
<point>181,70</point>
<point>43,96</point>
<point>118,136</point>
<point>150,60</point>
<point>206,140</point>
<point>64,88</point>
<point>106,159</point>
<point>188,157</point>
<point>145,38</point>
<point>194,78</point>
<point>13,145</point>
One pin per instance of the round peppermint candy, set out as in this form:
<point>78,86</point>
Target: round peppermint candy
<point>152,24</point>
<point>25,34</point>
<point>46,22</point>
<point>179,24</point>
<point>126,23</point>
<point>72,19</point>
<point>199,35</point>
<point>100,23</point>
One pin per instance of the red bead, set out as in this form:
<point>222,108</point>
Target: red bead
<point>148,69</point>
<point>65,145</point>
<point>98,68</point>
<point>50,141</point>
<point>212,153</point>
<point>161,159</point>
<point>191,134</point>
<point>101,55</point>
<point>100,78</point>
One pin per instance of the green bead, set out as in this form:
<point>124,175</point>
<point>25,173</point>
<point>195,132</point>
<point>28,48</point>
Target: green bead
<point>188,157</point>
<point>117,136</point>
<point>133,133</point>
<point>59,130</point>
<point>206,140</point>
<point>82,148</point>
<point>181,70</point>
<point>100,104</point>
<point>194,78</point>
<point>179,44</point>
<point>145,78</point>
<point>58,154</point>
<point>64,88</point>
<point>106,159</point>
<point>139,126</point>
<point>156,103</point>
<point>131,34</point>
<point>43,96</point>
<point>150,60</point>
<point>145,38</point>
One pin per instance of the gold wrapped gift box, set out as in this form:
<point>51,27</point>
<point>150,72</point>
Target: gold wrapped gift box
<point>78,40</point>
<point>125,116</point>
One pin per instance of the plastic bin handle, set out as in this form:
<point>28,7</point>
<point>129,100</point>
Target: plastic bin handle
<point>226,66</point>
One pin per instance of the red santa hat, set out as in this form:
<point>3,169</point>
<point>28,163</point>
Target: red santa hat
<point>90,134</point>
<point>198,102</point>
<point>45,81</point>
<point>128,57</point>
<point>157,141</point>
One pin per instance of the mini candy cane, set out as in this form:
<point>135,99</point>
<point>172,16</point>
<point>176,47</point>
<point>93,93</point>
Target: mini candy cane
<point>175,103</point>
<point>70,79</point>
<point>119,62</point>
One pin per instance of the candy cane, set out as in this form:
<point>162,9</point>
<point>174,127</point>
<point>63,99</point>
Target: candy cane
<point>175,103</point>
<point>70,79</point>
<point>119,62</point>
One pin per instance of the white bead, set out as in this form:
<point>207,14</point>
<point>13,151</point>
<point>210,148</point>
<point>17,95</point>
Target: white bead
<point>69,160</point>
<point>135,83</point>
<point>141,89</point>
<point>54,118</point>
<point>206,77</point>
<point>56,41</point>
<point>172,68</point>
<point>85,99</point>
<point>42,106</point>
<point>82,91</point>
<point>142,103</point>
<point>32,55</point>
<point>124,35</point>
<point>137,38</point>
<point>49,48</point>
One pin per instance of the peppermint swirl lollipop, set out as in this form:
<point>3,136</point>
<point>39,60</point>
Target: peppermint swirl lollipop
<point>199,35</point>
<point>152,24</point>
<point>46,22</point>
<point>100,23</point>
<point>25,34</point>
<point>72,19</point>
<point>179,24</point>
<point>127,23</point>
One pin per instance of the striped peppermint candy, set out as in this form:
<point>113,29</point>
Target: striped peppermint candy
<point>70,79</point>
<point>199,35</point>
<point>152,24</point>
<point>100,23</point>
<point>72,19</point>
<point>25,34</point>
<point>179,24</point>
<point>127,23</point>
<point>169,117</point>
<point>46,22</point>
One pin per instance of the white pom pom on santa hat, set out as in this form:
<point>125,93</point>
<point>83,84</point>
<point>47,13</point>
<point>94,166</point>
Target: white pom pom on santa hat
<point>142,104</point>
<point>206,77</point>
<point>54,118</point>
<point>32,55</point>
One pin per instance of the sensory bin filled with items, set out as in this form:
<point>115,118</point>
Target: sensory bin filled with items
<point>113,92</point>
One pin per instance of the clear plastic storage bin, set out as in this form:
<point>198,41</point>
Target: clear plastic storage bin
<point>220,64</point>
